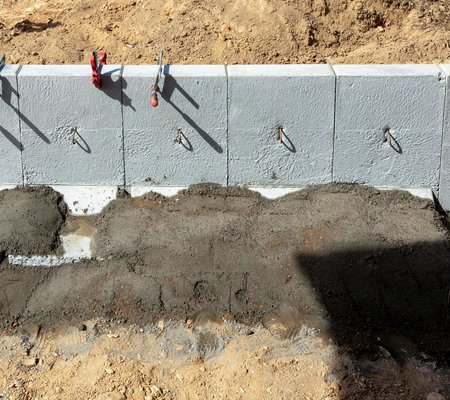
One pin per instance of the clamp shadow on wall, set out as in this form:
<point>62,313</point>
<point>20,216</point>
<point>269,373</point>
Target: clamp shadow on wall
<point>109,88</point>
<point>170,85</point>
<point>8,91</point>
<point>7,95</point>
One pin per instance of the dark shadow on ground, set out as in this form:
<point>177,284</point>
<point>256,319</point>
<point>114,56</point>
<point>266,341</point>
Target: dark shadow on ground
<point>384,303</point>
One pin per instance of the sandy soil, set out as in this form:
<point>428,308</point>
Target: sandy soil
<point>334,292</point>
<point>238,31</point>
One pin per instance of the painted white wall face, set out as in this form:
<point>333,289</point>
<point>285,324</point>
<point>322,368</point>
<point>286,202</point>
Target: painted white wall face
<point>444,184</point>
<point>389,125</point>
<point>184,140</point>
<point>280,128</point>
<point>10,141</point>
<point>378,125</point>
<point>71,131</point>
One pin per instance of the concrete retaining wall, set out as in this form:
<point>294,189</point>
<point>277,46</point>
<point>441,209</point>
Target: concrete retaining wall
<point>272,125</point>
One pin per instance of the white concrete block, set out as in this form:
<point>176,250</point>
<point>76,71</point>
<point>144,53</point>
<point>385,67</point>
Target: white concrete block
<point>167,191</point>
<point>86,200</point>
<point>274,193</point>
<point>444,183</point>
<point>192,107</point>
<point>408,101</point>
<point>76,248</point>
<point>10,140</point>
<point>71,131</point>
<point>297,98</point>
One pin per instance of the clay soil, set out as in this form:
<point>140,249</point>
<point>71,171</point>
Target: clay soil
<point>238,31</point>
<point>333,292</point>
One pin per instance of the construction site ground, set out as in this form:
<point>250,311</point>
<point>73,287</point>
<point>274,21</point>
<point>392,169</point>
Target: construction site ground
<point>332,292</point>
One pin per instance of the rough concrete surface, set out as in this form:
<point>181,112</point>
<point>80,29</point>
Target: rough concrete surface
<point>30,220</point>
<point>184,140</point>
<point>388,124</point>
<point>299,100</point>
<point>444,184</point>
<point>10,140</point>
<point>71,131</point>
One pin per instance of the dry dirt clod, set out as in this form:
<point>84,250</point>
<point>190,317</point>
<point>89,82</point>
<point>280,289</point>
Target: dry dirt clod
<point>109,371</point>
<point>156,391</point>
<point>161,324</point>
<point>30,362</point>
<point>435,396</point>
<point>111,396</point>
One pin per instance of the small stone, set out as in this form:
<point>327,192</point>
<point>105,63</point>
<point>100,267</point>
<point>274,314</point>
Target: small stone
<point>113,335</point>
<point>111,396</point>
<point>30,362</point>
<point>435,396</point>
<point>156,391</point>
<point>109,371</point>
<point>161,324</point>
<point>58,389</point>
<point>82,327</point>
<point>141,330</point>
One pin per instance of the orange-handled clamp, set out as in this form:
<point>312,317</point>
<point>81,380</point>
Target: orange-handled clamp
<point>155,87</point>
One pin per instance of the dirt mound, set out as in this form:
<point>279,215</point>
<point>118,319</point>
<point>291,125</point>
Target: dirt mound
<point>30,220</point>
<point>238,31</point>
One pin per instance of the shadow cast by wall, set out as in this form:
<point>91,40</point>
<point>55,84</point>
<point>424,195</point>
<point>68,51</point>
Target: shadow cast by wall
<point>403,290</point>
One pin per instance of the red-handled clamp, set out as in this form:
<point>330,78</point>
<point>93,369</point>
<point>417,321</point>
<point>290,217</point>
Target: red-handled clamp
<point>96,64</point>
<point>155,87</point>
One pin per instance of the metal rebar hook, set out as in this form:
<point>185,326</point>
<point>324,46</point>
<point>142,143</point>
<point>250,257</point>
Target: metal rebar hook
<point>388,136</point>
<point>74,133</point>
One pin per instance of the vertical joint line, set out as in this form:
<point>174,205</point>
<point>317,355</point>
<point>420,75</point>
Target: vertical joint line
<point>334,122</point>
<point>19,115</point>
<point>123,127</point>
<point>227,127</point>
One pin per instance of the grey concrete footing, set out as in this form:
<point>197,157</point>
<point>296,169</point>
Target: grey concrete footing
<point>266,126</point>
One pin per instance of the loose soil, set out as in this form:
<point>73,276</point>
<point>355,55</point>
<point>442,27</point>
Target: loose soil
<point>239,31</point>
<point>333,292</point>
<point>30,220</point>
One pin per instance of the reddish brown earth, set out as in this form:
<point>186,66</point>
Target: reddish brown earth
<point>238,31</point>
